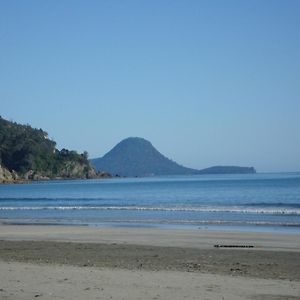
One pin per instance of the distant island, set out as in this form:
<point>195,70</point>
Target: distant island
<point>136,156</point>
<point>27,154</point>
<point>227,170</point>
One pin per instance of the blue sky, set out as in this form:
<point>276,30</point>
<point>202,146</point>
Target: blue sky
<point>207,82</point>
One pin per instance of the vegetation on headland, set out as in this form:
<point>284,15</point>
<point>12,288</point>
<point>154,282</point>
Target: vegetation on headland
<point>27,153</point>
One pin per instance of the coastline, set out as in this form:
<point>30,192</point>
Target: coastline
<point>43,179</point>
<point>74,262</point>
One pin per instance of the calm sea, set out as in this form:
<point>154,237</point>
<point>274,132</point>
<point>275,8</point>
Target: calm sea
<point>254,202</point>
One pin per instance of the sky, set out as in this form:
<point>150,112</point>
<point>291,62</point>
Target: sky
<point>207,82</point>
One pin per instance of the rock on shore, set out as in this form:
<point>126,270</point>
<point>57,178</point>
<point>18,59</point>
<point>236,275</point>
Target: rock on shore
<point>6,176</point>
<point>72,170</point>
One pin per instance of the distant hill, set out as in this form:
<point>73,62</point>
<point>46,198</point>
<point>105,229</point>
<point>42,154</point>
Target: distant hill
<point>27,153</point>
<point>136,156</point>
<point>227,170</point>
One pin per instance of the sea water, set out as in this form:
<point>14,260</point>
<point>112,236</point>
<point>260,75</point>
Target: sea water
<point>253,202</point>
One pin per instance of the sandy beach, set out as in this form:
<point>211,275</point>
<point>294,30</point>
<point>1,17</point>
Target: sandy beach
<point>67,262</point>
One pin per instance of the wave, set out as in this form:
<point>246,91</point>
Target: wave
<point>208,222</point>
<point>207,209</point>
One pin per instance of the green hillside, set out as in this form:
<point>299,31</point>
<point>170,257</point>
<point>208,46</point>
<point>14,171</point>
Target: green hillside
<point>29,152</point>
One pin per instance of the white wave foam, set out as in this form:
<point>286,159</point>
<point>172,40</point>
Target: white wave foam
<point>231,209</point>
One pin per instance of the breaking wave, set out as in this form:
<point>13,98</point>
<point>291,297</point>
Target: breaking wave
<point>255,209</point>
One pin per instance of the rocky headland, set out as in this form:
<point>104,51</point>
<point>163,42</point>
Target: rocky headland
<point>28,154</point>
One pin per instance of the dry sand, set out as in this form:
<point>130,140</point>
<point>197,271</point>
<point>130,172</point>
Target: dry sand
<point>26,281</point>
<point>62,262</point>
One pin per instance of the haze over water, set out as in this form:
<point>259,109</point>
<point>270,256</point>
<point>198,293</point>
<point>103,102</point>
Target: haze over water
<point>245,202</point>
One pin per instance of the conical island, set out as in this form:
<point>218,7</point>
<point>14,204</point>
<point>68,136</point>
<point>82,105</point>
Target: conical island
<point>136,156</point>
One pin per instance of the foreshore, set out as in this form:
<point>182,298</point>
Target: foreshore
<point>144,260</point>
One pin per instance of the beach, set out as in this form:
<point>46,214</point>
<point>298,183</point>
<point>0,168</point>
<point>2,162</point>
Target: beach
<point>76,262</point>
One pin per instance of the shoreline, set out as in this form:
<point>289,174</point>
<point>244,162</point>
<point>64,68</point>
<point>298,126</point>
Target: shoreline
<point>268,227</point>
<point>205,226</point>
<point>101,175</point>
<point>149,236</point>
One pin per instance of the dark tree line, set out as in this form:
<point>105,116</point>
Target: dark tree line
<point>23,148</point>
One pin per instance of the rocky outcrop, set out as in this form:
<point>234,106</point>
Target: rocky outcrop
<point>71,170</point>
<point>32,175</point>
<point>34,156</point>
<point>104,175</point>
<point>5,175</point>
<point>76,170</point>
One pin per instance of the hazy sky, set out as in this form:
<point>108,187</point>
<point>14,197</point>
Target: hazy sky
<point>207,82</point>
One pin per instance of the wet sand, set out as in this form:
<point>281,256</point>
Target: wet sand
<point>187,238</point>
<point>146,264</point>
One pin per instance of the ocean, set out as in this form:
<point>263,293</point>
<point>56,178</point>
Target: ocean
<point>251,202</point>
